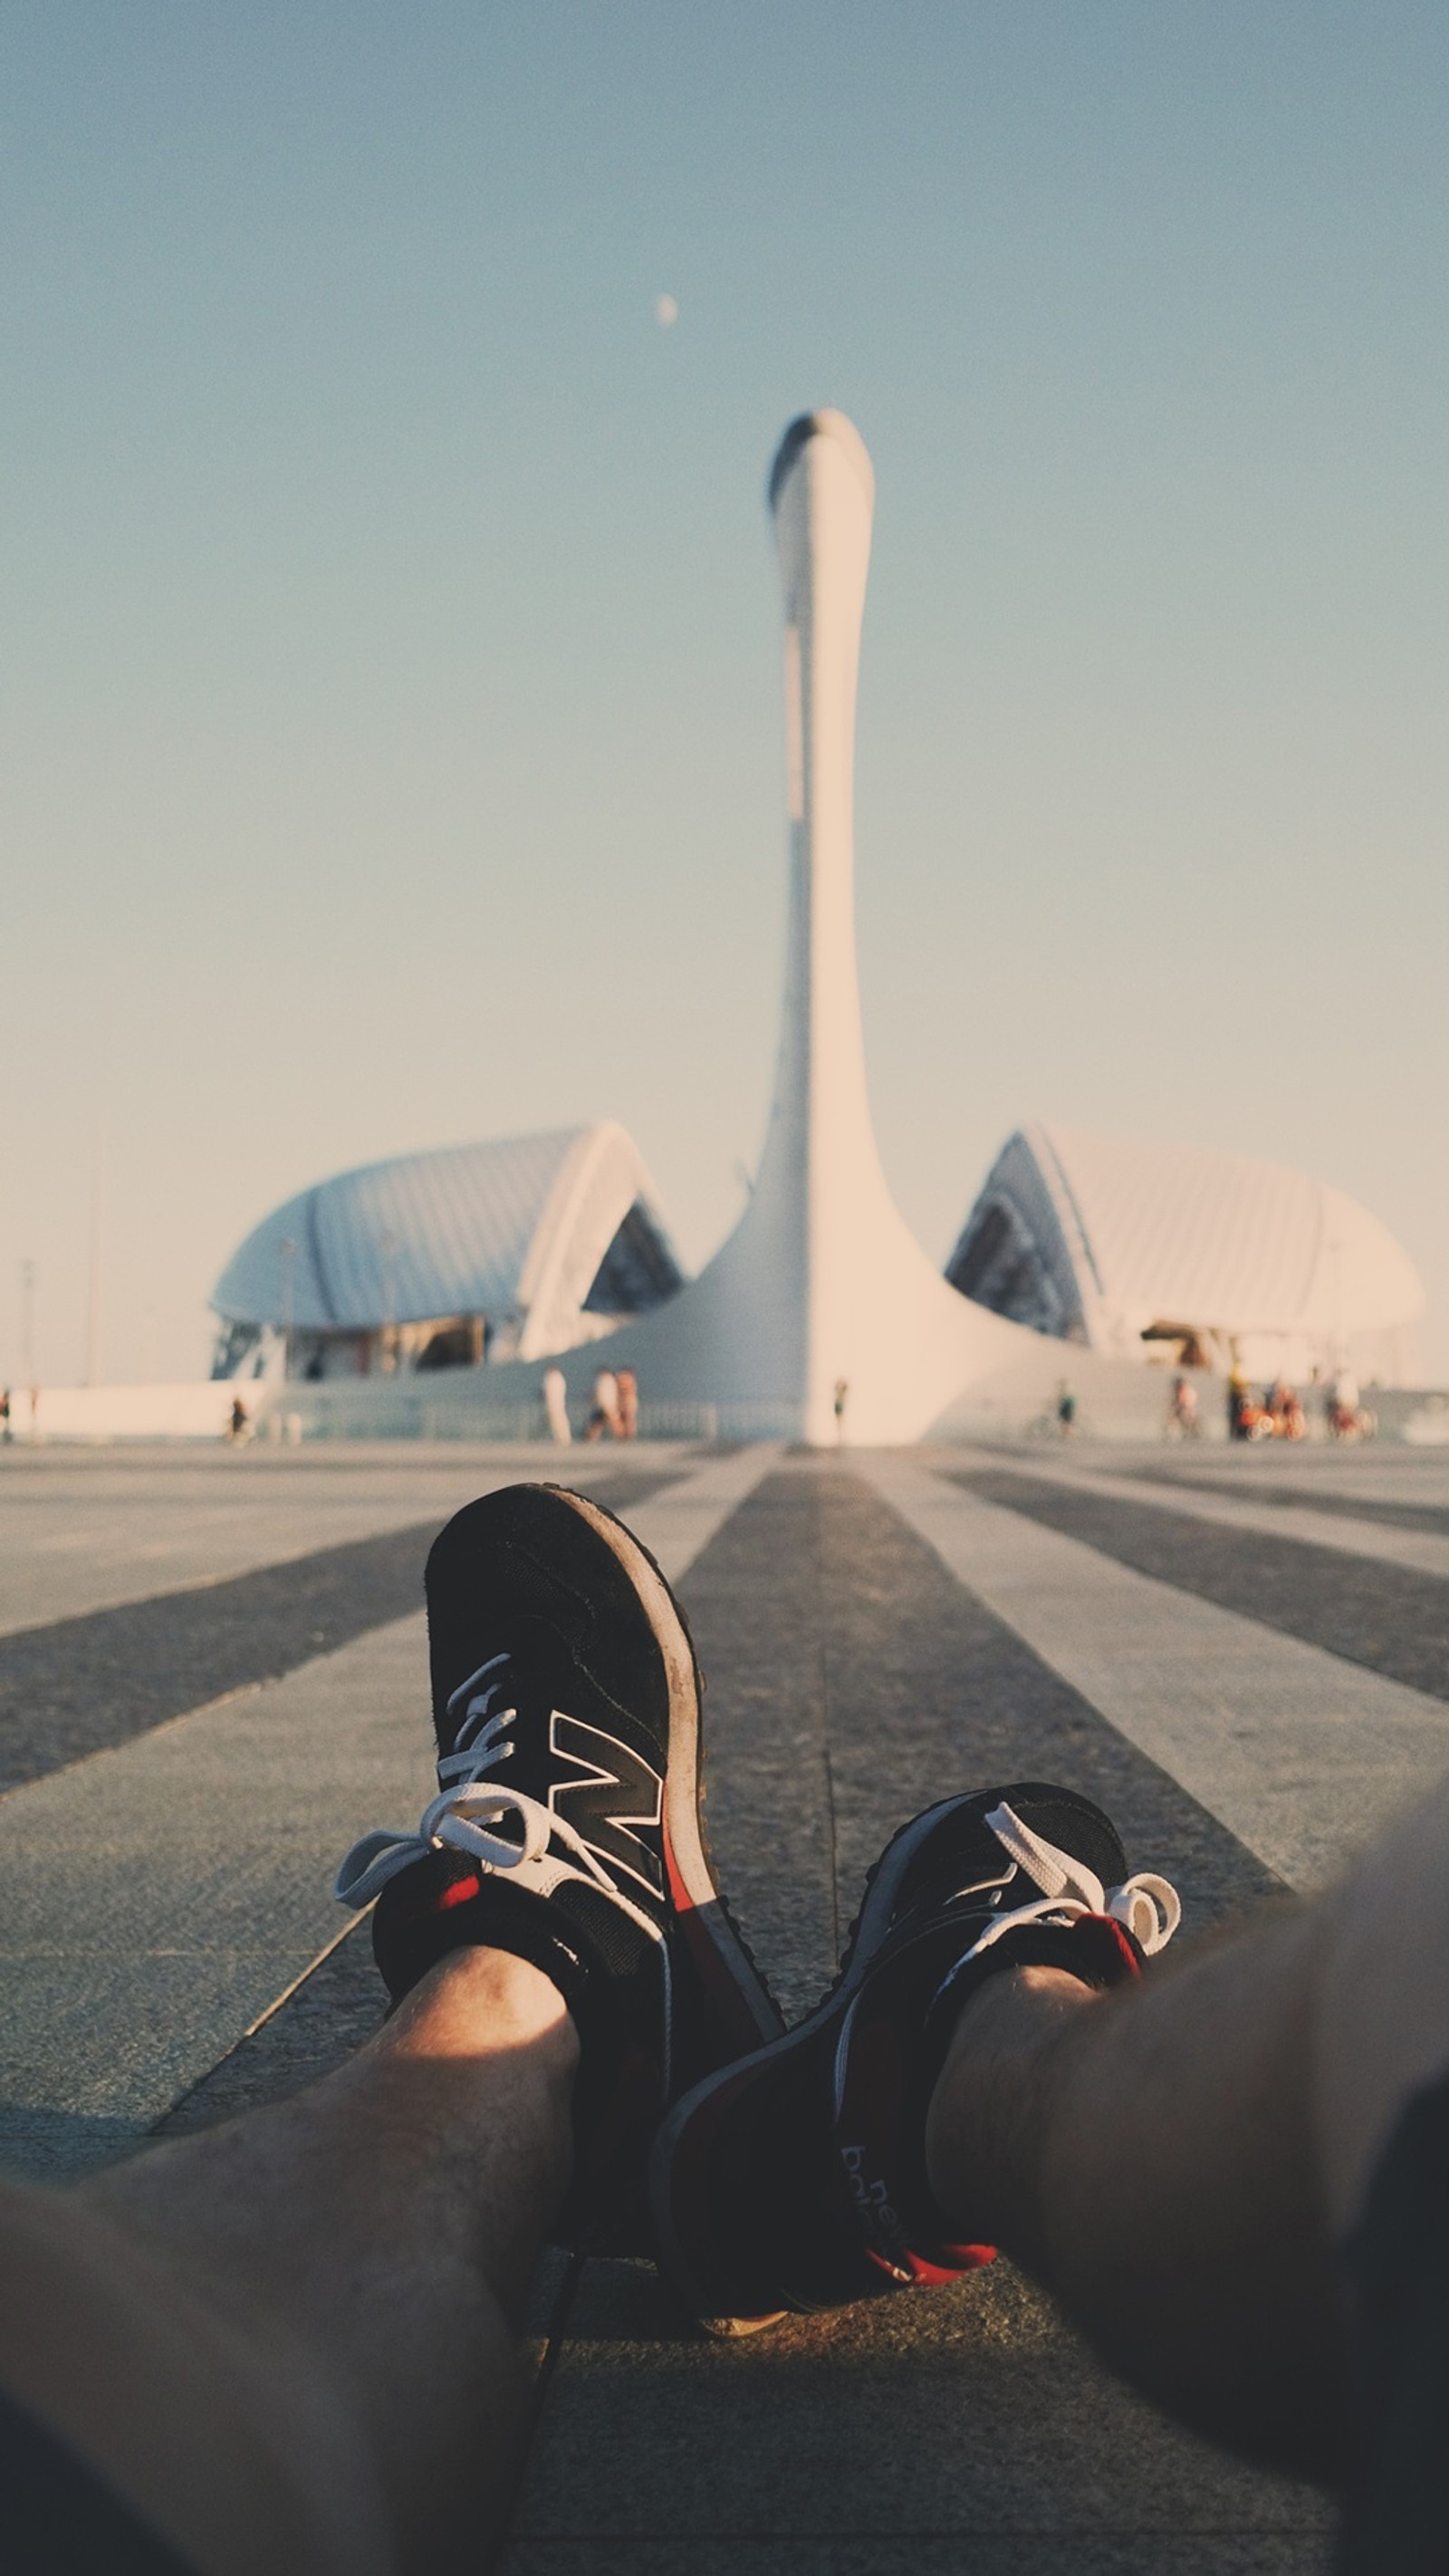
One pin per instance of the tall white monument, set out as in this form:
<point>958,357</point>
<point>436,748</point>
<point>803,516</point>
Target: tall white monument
<point>821,1287</point>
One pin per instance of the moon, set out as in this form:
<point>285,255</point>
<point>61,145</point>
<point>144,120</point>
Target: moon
<point>666,311</point>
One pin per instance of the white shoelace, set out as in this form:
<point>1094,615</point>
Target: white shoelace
<point>468,1805</point>
<point>1148,1906</point>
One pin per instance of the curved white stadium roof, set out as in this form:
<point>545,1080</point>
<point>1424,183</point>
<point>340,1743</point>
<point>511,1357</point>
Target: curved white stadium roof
<point>533,1229</point>
<point>1096,1238</point>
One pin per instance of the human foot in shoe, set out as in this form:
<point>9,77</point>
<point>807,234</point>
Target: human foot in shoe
<point>796,2179</point>
<point>567,1825</point>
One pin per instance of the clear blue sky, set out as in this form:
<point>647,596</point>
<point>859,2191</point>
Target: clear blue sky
<point>389,690</point>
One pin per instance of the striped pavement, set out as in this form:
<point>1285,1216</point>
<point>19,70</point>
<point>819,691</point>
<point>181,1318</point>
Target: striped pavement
<point>1299,1752</point>
<point>1249,1681</point>
<point>1368,1608</point>
<point>1354,1525</point>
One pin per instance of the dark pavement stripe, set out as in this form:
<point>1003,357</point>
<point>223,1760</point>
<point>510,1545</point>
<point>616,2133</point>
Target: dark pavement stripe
<point>1431,1517</point>
<point>752,1597</point>
<point>1388,1617</point>
<point>853,1680</point>
<point>930,1692</point>
<point>79,1685</point>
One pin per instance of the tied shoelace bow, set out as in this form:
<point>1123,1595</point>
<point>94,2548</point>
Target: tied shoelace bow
<point>1149,1907</point>
<point>468,1804</point>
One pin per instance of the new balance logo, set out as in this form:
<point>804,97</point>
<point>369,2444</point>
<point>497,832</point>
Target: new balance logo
<point>619,1790</point>
<point>876,2210</point>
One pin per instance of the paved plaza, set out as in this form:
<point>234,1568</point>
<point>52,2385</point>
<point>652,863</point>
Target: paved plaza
<point>212,1676</point>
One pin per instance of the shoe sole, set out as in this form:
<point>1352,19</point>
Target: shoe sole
<point>710,2099</point>
<point>733,1985</point>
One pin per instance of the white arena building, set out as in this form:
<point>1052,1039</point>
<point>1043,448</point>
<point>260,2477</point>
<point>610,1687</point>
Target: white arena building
<point>437,1260</point>
<point>1174,1252</point>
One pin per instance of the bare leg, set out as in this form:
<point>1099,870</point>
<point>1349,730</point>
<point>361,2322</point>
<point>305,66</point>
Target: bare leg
<point>1150,2158</point>
<point>291,2341</point>
<point>1177,2164</point>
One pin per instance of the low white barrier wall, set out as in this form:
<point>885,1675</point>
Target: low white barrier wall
<point>190,1411</point>
<point>466,1407</point>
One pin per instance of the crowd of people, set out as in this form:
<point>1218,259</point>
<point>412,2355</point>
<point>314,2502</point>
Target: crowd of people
<point>1280,1414</point>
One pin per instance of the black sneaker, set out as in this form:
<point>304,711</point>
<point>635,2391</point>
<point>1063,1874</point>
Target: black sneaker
<point>796,2179</point>
<point>567,1827</point>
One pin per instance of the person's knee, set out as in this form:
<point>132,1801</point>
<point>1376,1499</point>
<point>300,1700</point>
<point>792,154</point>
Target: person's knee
<point>201,2417</point>
<point>1381,2009</point>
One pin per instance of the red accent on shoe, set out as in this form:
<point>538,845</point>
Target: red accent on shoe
<point>459,1891</point>
<point>720,1988</point>
<point>924,2274</point>
<point>679,1896</point>
<point>1131,1955</point>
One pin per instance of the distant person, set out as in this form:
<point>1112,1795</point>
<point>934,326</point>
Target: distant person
<point>1239,1406</point>
<point>5,1430</point>
<point>1286,1410</point>
<point>1182,1414</point>
<point>485,1343</point>
<point>1066,1410</point>
<point>605,1413</point>
<point>314,1372</point>
<point>842,1397</point>
<point>556,1406</point>
<point>628,1389</point>
<point>238,1425</point>
<point>1345,1416</point>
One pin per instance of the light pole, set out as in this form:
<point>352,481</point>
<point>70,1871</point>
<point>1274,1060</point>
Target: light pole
<point>27,1322</point>
<point>27,1335</point>
<point>93,1311</point>
<point>387,1246</point>
<point>287,1256</point>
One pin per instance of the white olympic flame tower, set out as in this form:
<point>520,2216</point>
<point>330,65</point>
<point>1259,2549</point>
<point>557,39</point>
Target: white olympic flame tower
<point>822,1286</point>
